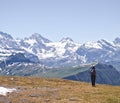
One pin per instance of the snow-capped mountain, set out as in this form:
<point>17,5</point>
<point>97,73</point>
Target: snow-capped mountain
<point>64,52</point>
<point>8,45</point>
<point>100,51</point>
<point>47,50</point>
<point>38,56</point>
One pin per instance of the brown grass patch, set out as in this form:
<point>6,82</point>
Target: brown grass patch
<point>39,90</point>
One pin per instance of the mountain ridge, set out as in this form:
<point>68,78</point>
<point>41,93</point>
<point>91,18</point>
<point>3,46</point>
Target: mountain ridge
<point>64,52</point>
<point>38,56</point>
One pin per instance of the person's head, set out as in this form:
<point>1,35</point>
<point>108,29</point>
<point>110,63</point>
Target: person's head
<point>93,67</point>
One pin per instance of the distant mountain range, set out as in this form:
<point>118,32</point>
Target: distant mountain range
<point>64,52</point>
<point>38,56</point>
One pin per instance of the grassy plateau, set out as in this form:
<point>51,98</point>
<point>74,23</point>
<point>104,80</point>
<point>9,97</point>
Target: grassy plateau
<point>45,90</point>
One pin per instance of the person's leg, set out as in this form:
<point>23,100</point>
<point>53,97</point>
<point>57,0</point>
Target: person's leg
<point>92,80</point>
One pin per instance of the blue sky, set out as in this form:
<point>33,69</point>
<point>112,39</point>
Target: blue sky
<point>81,20</point>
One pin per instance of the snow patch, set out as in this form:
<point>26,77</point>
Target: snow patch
<point>31,41</point>
<point>4,91</point>
<point>93,45</point>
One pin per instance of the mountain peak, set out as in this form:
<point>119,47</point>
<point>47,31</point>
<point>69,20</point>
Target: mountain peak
<point>117,40</point>
<point>39,38</point>
<point>37,35</point>
<point>5,35</point>
<point>67,39</point>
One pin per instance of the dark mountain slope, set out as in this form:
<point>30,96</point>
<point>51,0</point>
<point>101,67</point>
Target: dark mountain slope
<point>106,74</point>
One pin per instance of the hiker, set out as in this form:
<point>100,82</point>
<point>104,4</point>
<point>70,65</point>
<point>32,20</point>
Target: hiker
<point>93,75</point>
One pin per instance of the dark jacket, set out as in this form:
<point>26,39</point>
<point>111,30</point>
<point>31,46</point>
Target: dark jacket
<point>93,71</point>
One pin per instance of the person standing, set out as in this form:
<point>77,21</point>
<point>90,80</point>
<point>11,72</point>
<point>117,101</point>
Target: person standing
<point>93,76</point>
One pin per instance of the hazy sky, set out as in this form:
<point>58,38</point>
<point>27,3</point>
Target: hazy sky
<point>81,20</point>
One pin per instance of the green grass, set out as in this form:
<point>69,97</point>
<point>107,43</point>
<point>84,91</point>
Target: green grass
<point>62,72</point>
